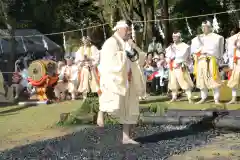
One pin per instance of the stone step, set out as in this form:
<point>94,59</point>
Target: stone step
<point>169,120</point>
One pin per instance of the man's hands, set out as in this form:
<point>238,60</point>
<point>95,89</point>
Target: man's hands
<point>132,43</point>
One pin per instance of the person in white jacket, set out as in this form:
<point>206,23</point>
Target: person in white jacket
<point>69,75</point>
<point>207,49</point>
<point>177,56</point>
<point>233,51</point>
<point>121,81</point>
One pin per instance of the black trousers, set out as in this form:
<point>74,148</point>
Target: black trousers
<point>156,88</point>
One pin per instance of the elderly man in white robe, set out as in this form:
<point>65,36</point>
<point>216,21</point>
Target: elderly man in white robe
<point>207,48</point>
<point>233,51</point>
<point>121,81</point>
<point>177,56</point>
<point>68,79</point>
<point>87,58</point>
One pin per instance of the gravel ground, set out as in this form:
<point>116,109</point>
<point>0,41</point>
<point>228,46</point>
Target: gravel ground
<point>158,142</point>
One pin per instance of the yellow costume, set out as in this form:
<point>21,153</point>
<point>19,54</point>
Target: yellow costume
<point>177,56</point>
<point>207,48</point>
<point>87,58</point>
<point>233,51</point>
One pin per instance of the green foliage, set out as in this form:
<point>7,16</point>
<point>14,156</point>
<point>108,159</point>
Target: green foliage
<point>153,107</point>
<point>53,16</point>
<point>87,114</point>
<point>192,8</point>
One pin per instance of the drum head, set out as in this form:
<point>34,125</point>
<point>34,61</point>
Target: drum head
<point>37,70</point>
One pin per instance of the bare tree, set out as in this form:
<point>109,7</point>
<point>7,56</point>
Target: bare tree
<point>9,33</point>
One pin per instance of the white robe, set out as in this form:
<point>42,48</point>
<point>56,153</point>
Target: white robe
<point>230,49</point>
<point>72,73</point>
<point>83,50</point>
<point>87,78</point>
<point>234,81</point>
<point>119,97</point>
<point>178,78</point>
<point>212,45</point>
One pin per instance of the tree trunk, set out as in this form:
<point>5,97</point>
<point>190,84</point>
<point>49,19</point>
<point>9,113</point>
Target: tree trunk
<point>143,9</point>
<point>166,23</point>
<point>150,16</point>
<point>116,16</point>
<point>11,31</point>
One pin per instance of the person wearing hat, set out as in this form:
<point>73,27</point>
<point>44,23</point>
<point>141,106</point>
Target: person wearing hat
<point>121,80</point>
<point>233,52</point>
<point>87,58</point>
<point>155,46</point>
<point>177,55</point>
<point>207,49</point>
<point>69,76</point>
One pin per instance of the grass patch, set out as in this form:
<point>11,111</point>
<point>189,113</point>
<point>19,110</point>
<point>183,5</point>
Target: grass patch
<point>182,103</point>
<point>85,114</point>
<point>21,124</point>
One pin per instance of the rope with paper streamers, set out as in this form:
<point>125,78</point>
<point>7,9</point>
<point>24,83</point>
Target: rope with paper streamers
<point>101,25</point>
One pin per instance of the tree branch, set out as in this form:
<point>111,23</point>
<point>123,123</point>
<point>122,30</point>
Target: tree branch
<point>124,11</point>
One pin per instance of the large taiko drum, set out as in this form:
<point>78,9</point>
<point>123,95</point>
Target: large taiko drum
<point>43,76</point>
<point>39,69</point>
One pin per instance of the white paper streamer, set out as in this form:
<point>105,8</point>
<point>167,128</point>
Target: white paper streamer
<point>44,43</point>
<point>82,32</point>
<point>188,27</point>
<point>1,46</point>
<point>64,42</point>
<point>155,21</point>
<point>161,31</point>
<point>215,24</point>
<point>133,33</point>
<point>24,46</point>
<point>104,33</point>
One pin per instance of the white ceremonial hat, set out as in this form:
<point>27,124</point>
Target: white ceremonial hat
<point>178,34</point>
<point>120,24</point>
<point>207,23</point>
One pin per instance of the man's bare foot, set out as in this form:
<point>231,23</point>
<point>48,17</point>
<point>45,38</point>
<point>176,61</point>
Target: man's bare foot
<point>190,101</point>
<point>217,103</point>
<point>100,119</point>
<point>130,141</point>
<point>201,101</point>
<point>100,123</point>
<point>233,101</point>
<point>173,100</point>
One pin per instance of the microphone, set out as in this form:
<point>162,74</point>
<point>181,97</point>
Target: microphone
<point>131,53</point>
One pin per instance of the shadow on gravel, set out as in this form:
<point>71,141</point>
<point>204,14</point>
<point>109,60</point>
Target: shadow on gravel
<point>193,129</point>
<point>104,144</point>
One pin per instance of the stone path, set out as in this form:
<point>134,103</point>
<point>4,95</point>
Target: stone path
<point>222,147</point>
<point>158,142</point>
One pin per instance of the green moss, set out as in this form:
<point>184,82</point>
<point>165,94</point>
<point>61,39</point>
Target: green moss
<point>86,114</point>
